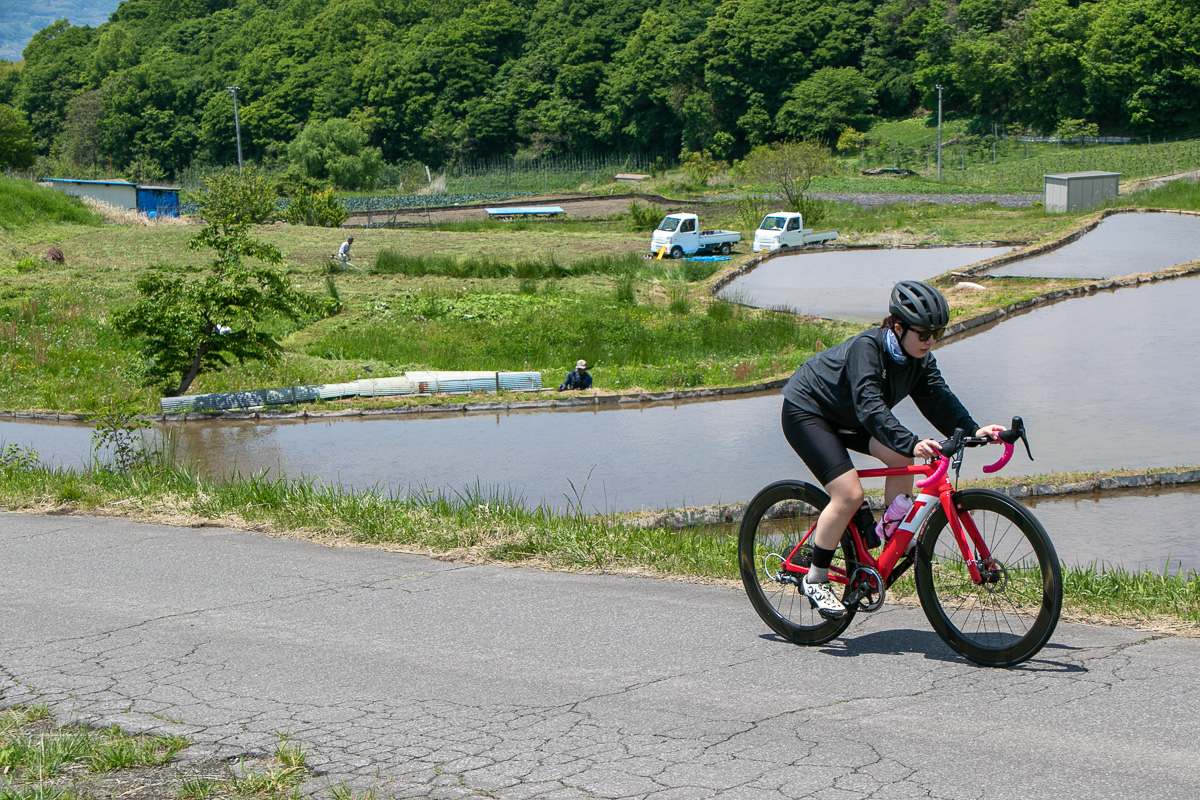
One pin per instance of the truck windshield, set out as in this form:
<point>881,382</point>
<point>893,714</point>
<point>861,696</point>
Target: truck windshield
<point>773,224</point>
<point>668,224</point>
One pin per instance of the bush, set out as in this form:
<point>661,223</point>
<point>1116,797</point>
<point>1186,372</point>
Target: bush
<point>751,210</point>
<point>814,211</point>
<point>701,167</point>
<point>319,209</point>
<point>644,218</point>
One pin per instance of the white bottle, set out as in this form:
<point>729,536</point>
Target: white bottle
<point>892,518</point>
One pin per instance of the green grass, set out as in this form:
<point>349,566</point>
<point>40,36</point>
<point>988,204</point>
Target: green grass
<point>23,203</point>
<point>676,344</point>
<point>1181,194</point>
<point>918,130</point>
<point>41,756</point>
<point>889,185</point>
<point>1021,168</point>
<point>39,761</point>
<point>391,262</point>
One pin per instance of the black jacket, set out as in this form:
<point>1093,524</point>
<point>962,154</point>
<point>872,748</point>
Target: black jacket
<point>857,384</point>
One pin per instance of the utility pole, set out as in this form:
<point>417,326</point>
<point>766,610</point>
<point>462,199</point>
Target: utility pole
<point>237,126</point>
<point>939,88</point>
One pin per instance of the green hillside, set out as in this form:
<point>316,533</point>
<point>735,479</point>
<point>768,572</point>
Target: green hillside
<point>399,81</point>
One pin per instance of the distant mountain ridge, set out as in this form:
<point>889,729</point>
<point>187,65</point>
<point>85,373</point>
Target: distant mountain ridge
<point>20,21</point>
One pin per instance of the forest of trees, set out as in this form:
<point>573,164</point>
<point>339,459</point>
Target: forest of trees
<point>437,82</point>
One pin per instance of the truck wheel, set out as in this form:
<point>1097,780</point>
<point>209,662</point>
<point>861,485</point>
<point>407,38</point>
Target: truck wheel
<point>726,249</point>
<point>676,252</point>
<point>782,247</point>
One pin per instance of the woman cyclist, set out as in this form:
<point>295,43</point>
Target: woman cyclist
<point>842,399</point>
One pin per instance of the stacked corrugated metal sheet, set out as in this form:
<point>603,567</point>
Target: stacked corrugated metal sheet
<point>408,384</point>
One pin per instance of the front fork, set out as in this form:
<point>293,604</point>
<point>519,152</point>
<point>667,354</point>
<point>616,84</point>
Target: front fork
<point>978,559</point>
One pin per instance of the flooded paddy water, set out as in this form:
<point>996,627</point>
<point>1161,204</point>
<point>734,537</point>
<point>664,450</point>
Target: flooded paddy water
<point>1123,244</point>
<point>852,285</point>
<point>1105,381</point>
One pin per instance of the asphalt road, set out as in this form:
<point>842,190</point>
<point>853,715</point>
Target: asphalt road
<point>418,678</point>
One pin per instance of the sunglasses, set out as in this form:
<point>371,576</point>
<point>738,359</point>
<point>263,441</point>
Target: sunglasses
<point>936,333</point>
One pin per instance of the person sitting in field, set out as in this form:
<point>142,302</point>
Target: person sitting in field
<point>577,378</point>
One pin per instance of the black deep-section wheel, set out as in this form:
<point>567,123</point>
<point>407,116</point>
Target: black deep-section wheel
<point>775,521</point>
<point>1011,615</point>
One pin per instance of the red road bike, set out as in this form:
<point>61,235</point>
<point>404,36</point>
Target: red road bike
<point>986,573</point>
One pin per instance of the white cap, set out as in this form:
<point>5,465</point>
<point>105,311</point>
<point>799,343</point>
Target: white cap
<point>581,364</point>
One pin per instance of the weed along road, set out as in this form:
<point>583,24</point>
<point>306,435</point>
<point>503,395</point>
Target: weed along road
<point>419,678</point>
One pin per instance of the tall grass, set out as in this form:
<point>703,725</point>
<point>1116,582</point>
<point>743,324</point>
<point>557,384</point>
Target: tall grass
<point>1179,194</point>
<point>392,262</point>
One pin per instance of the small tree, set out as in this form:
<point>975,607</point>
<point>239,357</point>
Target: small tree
<point>851,141</point>
<point>701,167</point>
<point>235,197</point>
<point>790,166</point>
<point>188,326</point>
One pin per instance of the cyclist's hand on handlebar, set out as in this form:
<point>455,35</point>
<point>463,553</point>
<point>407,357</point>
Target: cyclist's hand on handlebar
<point>927,449</point>
<point>991,433</point>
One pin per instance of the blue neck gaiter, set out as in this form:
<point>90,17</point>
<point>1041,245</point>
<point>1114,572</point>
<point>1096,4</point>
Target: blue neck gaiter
<point>893,347</point>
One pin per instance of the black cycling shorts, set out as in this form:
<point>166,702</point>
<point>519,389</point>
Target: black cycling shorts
<point>822,446</point>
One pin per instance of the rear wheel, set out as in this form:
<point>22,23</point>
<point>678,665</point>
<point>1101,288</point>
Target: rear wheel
<point>726,249</point>
<point>1010,616</point>
<point>774,529</point>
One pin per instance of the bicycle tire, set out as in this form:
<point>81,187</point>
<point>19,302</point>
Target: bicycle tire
<point>1001,623</point>
<point>774,517</point>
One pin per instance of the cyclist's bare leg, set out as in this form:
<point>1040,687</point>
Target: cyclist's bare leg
<point>845,496</point>
<point>893,485</point>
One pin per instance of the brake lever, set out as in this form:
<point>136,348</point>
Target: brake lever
<point>1017,431</point>
<point>1010,437</point>
<point>953,446</point>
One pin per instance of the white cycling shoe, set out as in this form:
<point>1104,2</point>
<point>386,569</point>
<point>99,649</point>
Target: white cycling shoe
<point>823,599</point>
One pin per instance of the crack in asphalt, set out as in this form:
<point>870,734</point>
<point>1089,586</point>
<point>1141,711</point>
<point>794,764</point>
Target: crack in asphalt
<point>826,727</point>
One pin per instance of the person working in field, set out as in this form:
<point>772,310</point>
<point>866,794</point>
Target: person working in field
<point>343,253</point>
<point>577,378</point>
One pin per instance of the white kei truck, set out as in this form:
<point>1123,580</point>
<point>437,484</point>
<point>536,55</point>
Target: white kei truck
<point>679,235</point>
<point>780,230</point>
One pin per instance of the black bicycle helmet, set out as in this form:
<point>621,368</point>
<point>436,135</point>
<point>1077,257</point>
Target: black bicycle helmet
<point>919,305</point>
